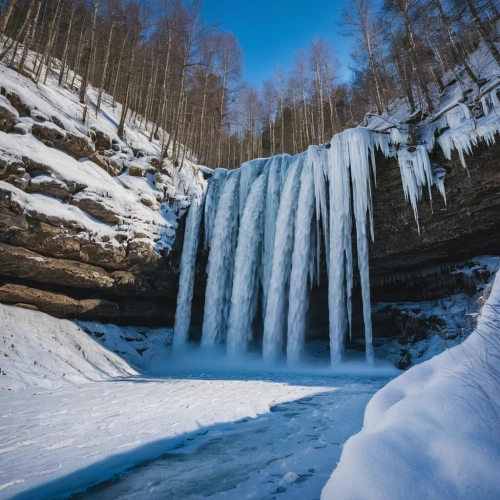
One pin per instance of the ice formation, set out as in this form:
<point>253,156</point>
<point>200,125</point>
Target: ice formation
<point>269,225</point>
<point>220,263</point>
<point>246,269</point>
<point>276,308</point>
<point>188,270</point>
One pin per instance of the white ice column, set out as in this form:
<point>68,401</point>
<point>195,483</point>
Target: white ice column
<point>188,270</point>
<point>220,263</point>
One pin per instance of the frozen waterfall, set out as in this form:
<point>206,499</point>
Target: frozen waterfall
<point>220,263</point>
<point>268,227</point>
<point>246,269</point>
<point>188,270</point>
<point>277,303</point>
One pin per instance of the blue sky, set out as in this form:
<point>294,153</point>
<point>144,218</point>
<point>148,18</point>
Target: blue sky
<point>271,31</point>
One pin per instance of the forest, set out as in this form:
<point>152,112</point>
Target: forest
<point>182,77</point>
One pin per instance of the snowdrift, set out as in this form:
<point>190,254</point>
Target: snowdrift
<point>37,350</point>
<point>434,432</point>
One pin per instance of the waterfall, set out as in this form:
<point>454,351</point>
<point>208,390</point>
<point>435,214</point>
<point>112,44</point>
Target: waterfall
<point>362,160</point>
<point>188,270</point>
<point>249,171</point>
<point>220,263</point>
<point>340,265</point>
<point>301,257</point>
<point>276,309</point>
<point>267,226</point>
<point>215,187</point>
<point>277,175</point>
<point>246,268</point>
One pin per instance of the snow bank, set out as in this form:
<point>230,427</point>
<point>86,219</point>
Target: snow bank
<point>37,350</point>
<point>434,432</point>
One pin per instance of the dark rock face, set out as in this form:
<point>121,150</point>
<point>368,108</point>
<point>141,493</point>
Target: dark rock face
<point>467,225</point>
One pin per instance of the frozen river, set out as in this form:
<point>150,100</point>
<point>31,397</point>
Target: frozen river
<point>291,449</point>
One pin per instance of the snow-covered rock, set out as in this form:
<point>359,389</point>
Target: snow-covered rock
<point>74,192</point>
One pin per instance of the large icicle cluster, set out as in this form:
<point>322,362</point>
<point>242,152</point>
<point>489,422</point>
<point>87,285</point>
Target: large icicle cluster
<point>267,224</point>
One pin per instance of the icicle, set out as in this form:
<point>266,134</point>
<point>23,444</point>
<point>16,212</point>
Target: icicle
<point>416,172</point>
<point>248,254</point>
<point>316,160</point>
<point>340,235</point>
<point>277,165</point>
<point>361,154</point>
<point>399,136</point>
<point>188,270</point>
<point>249,172</point>
<point>495,102</point>
<point>352,152</point>
<point>301,258</point>
<point>461,135</point>
<point>439,175</point>
<point>275,317</point>
<point>458,115</point>
<point>383,143</point>
<point>220,263</point>
<point>215,188</point>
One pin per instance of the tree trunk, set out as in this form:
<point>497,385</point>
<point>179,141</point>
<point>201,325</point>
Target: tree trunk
<point>482,32</point>
<point>125,104</point>
<point>64,58</point>
<point>457,56</point>
<point>30,36</point>
<point>5,20</point>
<point>118,69</point>
<point>76,64</point>
<point>86,74</point>
<point>50,37</point>
<point>414,61</point>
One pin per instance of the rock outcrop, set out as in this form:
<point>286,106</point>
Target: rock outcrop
<point>76,145</point>
<point>467,225</point>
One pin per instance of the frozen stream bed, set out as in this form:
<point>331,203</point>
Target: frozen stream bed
<point>292,449</point>
<point>186,435</point>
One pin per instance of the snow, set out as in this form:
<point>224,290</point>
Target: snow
<point>137,201</point>
<point>434,431</point>
<point>38,351</point>
<point>86,415</point>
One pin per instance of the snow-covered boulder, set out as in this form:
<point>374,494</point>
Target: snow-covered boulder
<point>77,145</point>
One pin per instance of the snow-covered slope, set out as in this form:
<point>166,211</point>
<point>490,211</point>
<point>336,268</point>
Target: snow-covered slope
<point>37,350</point>
<point>434,432</point>
<point>110,188</point>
